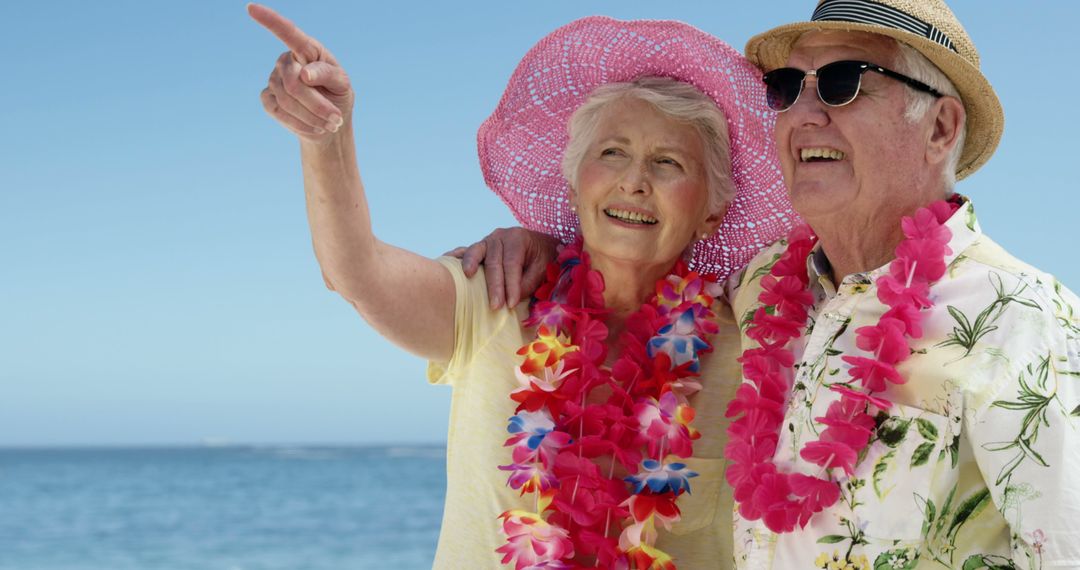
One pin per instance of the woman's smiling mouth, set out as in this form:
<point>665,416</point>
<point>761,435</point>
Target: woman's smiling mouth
<point>630,217</point>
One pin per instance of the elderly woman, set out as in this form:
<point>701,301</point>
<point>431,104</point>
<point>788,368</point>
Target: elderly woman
<point>615,376</point>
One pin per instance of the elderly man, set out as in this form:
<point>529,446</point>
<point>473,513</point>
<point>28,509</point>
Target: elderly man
<point>911,391</point>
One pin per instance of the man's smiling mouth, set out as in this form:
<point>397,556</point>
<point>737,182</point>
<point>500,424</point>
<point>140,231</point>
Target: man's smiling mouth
<point>820,155</point>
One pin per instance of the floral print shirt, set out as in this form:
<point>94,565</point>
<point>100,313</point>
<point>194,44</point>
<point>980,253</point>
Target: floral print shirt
<point>977,464</point>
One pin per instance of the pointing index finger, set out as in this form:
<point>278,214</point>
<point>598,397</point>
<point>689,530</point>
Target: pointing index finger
<point>304,48</point>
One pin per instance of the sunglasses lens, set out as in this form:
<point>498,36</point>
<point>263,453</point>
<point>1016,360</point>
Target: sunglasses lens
<point>838,83</point>
<point>782,87</point>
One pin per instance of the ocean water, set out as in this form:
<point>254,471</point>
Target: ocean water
<point>228,508</point>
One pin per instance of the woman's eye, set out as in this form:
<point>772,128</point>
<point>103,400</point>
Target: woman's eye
<point>610,152</point>
<point>668,161</point>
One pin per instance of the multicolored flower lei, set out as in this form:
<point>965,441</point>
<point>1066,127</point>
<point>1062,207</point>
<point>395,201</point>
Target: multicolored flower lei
<point>783,500</point>
<point>579,423</point>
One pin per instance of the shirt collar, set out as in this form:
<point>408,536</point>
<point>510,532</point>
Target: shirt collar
<point>819,269</point>
<point>963,225</point>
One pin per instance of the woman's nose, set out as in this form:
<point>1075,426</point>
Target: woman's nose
<point>636,179</point>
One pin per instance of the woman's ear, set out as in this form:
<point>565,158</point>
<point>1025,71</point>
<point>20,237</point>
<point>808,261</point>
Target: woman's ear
<point>712,223</point>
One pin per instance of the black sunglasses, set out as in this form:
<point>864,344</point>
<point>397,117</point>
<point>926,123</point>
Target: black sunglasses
<point>837,83</point>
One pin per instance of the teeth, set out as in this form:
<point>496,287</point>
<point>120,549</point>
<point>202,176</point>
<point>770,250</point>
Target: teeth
<point>632,217</point>
<point>824,153</point>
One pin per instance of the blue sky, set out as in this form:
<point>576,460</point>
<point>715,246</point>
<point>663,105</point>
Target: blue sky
<point>159,284</point>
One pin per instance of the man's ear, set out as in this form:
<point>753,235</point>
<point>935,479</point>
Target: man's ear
<point>949,116</point>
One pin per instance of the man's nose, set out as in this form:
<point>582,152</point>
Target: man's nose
<point>808,109</point>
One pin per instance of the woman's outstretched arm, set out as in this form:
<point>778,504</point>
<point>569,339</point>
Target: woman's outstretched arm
<point>407,298</point>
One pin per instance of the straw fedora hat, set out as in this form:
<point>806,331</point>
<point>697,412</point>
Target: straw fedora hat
<point>930,27</point>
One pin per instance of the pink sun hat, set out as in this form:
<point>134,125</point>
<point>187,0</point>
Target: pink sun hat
<point>521,144</point>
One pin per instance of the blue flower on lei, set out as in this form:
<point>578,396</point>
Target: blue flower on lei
<point>533,425</point>
<point>534,437</point>
<point>661,478</point>
<point>679,342</point>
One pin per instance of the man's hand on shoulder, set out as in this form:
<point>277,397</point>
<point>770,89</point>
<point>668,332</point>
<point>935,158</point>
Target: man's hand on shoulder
<point>514,261</point>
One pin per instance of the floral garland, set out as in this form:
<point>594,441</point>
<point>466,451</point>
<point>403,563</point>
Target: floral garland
<point>786,500</point>
<point>578,422</point>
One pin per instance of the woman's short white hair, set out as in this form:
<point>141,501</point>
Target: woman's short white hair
<point>915,65</point>
<point>680,101</point>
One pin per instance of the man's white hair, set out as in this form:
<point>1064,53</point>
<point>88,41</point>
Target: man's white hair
<point>915,65</point>
<point>680,101</point>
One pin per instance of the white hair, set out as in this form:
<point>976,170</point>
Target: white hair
<point>914,64</point>
<point>680,101</point>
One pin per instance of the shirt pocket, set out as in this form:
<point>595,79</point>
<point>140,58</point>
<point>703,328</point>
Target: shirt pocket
<point>700,506</point>
<point>894,480</point>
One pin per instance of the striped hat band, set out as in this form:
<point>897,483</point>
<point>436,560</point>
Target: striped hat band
<point>866,12</point>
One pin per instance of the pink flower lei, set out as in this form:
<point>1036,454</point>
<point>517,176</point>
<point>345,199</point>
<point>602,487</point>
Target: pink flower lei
<point>579,423</point>
<point>783,500</point>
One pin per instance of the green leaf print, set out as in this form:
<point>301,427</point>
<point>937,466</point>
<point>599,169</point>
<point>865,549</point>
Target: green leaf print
<point>832,539</point>
<point>1023,404</point>
<point>1018,494</point>
<point>956,264</point>
<point>899,559</point>
<point>999,446</point>
<point>1064,313</point>
<point>1042,375</point>
<point>881,467</point>
<point>945,511</point>
<point>970,219</point>
<point>971,507</point>
<point>966,334</point>
<point>953,449</point>
<point>922,454</point>
<point>893,430</point>
<point>988,562</point>
<point>747,318</point>
<point>927,429</point>
<point>929,512</point>
<point>1076,411</point>
<point>1009,467</point>
<point>761,271</point>
<point>1026,446</point>
<point>1037,406</point>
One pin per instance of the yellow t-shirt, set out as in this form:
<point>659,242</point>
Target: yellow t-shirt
<point>481,374</point>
